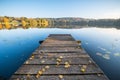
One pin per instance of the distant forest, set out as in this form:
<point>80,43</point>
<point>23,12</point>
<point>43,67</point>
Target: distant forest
<point>68,22</point>
<point>87,22</point>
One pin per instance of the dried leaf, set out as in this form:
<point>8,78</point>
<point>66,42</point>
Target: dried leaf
<point>42,61</point>
<point>40,72</point>
<point>28,75</point>
<point>82,70</point>
<point>61,57</point>
<point>67,65</point>
<point>26,62</point>
<point>47,67</point>
<point>58,59</point>
<point>37,76</point>
<point>43,69</point>
<point>60,76</point>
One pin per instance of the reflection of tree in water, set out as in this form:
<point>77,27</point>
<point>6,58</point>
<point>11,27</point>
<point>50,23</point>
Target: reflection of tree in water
<point>23,22</point>
<point>82,22</point>
<point>12,22</point>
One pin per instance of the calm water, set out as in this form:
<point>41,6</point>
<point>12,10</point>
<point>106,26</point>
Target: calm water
<point>102,44</point>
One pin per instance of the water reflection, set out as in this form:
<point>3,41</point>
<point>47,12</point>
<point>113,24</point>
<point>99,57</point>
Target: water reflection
<point>107,53</point>
<point>102,44</point>
<point>117,54</point>
<point>106,56</point>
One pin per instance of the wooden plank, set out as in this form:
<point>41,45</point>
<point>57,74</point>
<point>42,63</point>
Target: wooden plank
<point>61,38</point>
<point>59,35</point>
<point>55,42</point>
<point>53,60</point>
<point>59,49</point>
<point>73,69</point>
<point>81,54</point>
<point>62,45</point>
<point>69,38</point>
<point>58,41</point>
<point>56,77</point>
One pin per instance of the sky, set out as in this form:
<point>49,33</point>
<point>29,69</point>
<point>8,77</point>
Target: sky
<point>61,8</point>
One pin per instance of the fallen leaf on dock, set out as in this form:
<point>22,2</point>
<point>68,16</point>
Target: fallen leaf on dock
<point>42,61</point>
<point>58,59</point>
<point>58,63</point>
<point>47,67</point>
<point>26,62</point>
<point>98,74</point>
<point>83,68</point>
<point>37,76</point>
<point>61,57</point>
<point>43,69</point>
<point>90,61</point>
<point>78,42</point>
<point>28,75</point>
<point>32,57</point>
<point>40,72</point>
<point>67,65</point>
<point>78,47</point>
<point>60,76</point>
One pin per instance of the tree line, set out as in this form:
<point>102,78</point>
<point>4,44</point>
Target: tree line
<point>68,22</point>
<point>22,22</point>
<point>88,22</point>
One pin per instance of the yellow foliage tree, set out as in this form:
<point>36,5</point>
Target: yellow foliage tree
<point>43,23</point>
<point>7,23</point>
<point>15,23</point>
<point>1,25</point>
<point>24,23</point>
<point>33,23</point>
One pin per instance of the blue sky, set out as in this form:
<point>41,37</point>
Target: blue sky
<point>61,8</point>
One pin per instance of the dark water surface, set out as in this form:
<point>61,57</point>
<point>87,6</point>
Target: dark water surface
<point>102,44</point>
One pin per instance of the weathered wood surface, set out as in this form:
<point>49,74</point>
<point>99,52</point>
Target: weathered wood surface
<point>48,62</point>
<point>73,69</point>
<point>55,77</point>
<point>51,60</point>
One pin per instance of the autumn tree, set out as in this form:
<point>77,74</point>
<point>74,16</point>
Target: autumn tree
<point>7,22</point>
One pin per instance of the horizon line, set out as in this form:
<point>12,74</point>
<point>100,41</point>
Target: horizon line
<point>61,17</point>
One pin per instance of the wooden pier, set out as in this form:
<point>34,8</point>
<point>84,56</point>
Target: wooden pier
<point>59,57</point>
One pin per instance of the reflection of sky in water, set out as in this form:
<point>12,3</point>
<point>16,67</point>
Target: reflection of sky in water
<point>101,44</point>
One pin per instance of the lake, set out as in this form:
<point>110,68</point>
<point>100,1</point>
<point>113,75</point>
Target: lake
<point>102,44</point>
